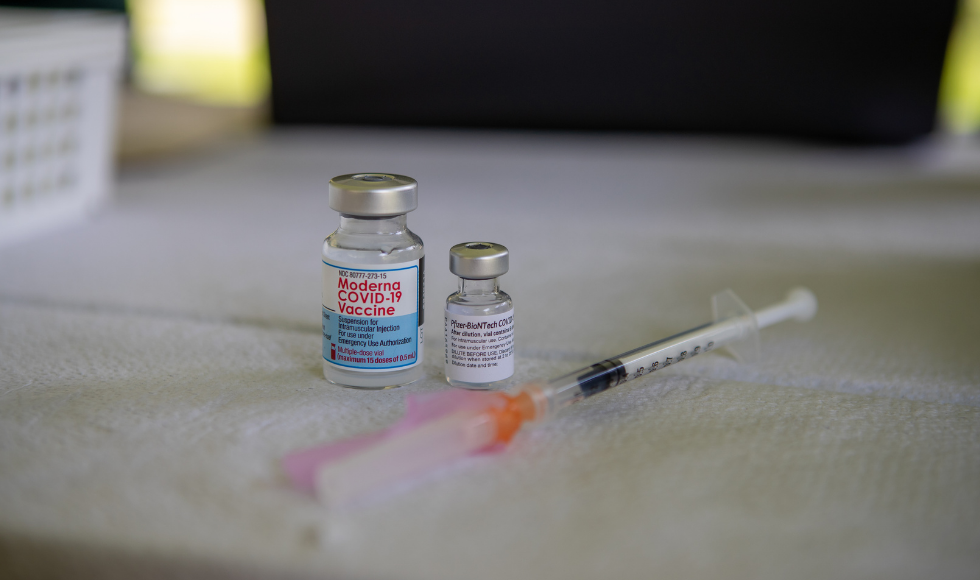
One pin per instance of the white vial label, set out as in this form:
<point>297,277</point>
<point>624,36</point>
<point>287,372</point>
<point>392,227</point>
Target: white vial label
<point>479,349</point>
<point>372,315</point>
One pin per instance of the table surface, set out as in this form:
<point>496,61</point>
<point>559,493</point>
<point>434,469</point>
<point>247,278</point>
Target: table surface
<point>157,361</point>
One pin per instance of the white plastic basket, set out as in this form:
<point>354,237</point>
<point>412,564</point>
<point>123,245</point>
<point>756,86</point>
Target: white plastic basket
<point>59,75</point>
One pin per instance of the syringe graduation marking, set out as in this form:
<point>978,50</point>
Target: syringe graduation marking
<point>612,372</point>
<point>663,340</point>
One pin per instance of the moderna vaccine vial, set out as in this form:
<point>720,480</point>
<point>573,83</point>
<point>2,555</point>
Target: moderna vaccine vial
<point>373,284</point>
<point>479,322</point>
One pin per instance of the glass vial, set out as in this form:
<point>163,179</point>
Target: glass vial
<point>373,284</point>
<point>479,318</point>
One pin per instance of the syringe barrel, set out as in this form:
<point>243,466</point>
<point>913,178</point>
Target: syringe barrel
<point>614,371</point>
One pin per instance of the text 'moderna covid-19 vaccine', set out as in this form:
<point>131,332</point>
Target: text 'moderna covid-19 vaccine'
<point>479,321</point>
<point>373,284</point>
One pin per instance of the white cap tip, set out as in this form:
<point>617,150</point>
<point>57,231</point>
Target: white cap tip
<point>804,302</point>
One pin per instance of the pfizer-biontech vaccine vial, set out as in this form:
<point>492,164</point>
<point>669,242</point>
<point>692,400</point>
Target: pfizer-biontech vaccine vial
<point>373,281</point>
<point>479,318</point>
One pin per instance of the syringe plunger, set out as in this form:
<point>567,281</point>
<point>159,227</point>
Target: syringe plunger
<point>800,304</point>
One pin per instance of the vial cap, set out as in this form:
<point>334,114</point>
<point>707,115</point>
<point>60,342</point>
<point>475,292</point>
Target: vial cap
<point>373,194</point>
<point>479,260</point>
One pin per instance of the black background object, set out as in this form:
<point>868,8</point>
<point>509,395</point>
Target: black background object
<point>844,70</point>
<point>114,5</point>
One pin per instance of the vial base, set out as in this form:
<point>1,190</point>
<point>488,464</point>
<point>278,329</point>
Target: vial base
<point>371,381</point>
<point>478,386</point>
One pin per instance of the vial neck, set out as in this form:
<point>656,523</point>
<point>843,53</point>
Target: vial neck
<point>478,287</point>
<point>373,225</point>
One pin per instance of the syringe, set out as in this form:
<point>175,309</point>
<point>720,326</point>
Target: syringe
<point>457,423</point>
<point>735,326</point>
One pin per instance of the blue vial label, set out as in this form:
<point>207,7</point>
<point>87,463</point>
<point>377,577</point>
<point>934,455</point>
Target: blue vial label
<point>371,316</point>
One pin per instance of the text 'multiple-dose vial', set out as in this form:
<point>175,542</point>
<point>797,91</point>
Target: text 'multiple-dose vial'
<point>373,284</point>
<point>479,318</point>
